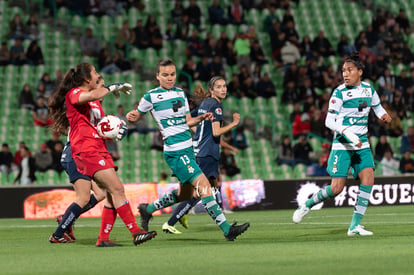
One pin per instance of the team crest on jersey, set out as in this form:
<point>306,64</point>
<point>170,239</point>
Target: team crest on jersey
<point>333,101</point>
<point>366,92</point>
<point>190,169</point>
<point>218,111</point>
<point>102,162</point>
<point>77,90</point>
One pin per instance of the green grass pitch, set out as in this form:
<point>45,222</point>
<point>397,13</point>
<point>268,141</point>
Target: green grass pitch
<point>272,245</point>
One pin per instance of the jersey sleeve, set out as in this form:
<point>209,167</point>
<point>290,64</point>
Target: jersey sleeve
<point>145,104</point>
<point>186,105</point>
<point>217,111</point>
<point>335,102</point>
<point>376,105</point>
<point>73,96</point>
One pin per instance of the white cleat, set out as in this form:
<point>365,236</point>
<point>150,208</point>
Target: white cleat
<point>170,229</point>
<point>300,213</point>
<point>359,231</point>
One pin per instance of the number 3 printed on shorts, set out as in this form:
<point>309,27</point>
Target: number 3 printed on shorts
<point>185,159</point>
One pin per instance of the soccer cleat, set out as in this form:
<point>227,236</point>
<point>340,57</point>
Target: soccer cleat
<point>69,230</point>
<point>184,221</point>
<point>170,229</point>
<point>145,216</point>
<point>64,239</point>
<point>300,213</point>
<point>359,231</point>
<point>236,230</point>
<point>143,236</point>
<point>106,243</point>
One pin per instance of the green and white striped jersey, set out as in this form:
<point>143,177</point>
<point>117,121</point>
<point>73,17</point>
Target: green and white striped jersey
<point>169,109</point>
<point>349,108</point>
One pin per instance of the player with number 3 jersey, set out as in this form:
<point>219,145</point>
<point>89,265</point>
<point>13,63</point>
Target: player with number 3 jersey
<point>349,107</point>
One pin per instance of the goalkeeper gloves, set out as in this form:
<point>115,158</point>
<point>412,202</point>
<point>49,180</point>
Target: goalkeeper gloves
<point>352,137</point>
<point>123,131</point>
<point>117,88</point>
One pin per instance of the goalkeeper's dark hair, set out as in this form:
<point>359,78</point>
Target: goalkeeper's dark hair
<point>73,78</point>
<point>354,58</point>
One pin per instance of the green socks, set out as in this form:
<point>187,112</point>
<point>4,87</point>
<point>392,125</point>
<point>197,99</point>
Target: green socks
<point>321,196</point>
<point>360,205</point>
<point>164,201</point>
<point>214,210</point>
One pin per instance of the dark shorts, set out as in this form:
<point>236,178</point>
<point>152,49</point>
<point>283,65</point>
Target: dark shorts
<point>209,166</point>
<point>69,165</point>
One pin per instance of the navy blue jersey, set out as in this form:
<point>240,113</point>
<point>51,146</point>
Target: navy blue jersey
<point>205,144</point>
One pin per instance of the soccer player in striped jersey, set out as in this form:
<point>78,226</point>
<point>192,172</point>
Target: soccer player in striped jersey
<point>349,107</point>
<point>169,108</point>
<point>207,141</point>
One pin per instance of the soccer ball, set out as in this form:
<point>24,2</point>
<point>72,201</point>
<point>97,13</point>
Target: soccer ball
<point>109,126</point>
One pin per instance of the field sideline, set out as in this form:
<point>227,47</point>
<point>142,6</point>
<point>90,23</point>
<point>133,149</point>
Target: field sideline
<point>272,245</point>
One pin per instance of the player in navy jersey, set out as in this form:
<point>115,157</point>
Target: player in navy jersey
<point>206,142</point>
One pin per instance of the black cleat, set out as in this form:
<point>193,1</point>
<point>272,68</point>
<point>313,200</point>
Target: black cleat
<point>145,216</point>
<point>69,230</point>
<point>144,236</point>
<point>106,243</point>
<point>236,230</point>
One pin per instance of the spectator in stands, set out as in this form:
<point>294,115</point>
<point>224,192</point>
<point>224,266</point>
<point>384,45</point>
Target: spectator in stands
<point>402,20</point>
<point>317,124</point>
<point>285,152</point>
<point>189,70</point>
<point>344,47</point>
<point>194,13</point>
<point>5,54</point>
<point>18,155</point>
<point>407,140</point>
<point>234,86</point>
<point>382,147</point>
<point>89,44</point>
<point>248,89</point>
<point>239,138</point>
<point>125,36</point>
<point>54,139</point>
<point>407,163</point>
<point>48,83</point>
<point>106,63</point>
<point>216,14</point>
<point>305,48</point>
<point>195,45</point>
<point>143,40</point>
<point>290,93</point>
<point>315,74</point>
<point>322,45</point>
<point>203,70</point>
<point>56,155</point>
<point>169,33</point>
<point>302,150</point>
<point>182,28</point>
<point>32,28</point>
<point>109,7</point>
<point>120,62</point>
<point>217,66</point>
<point>390,166</point>
<point>270,19</point>
<point>228,165</point>
<point>289,54</point>
<point>257,55</point>
<point>6,160</point>
<point>26,168</point>
<point>242,49</point>
<point>265,87</point>
<point>17,29</point>
<point>34,54</point>
<point>301,125</point>
<point>40,113</point>
<point>43,158</point>
<point>210,47</point>
<point>386,83</point>
<point>409,98</point>
<point>177,12</point>
<point>236,13</point>
<point>17,53</point>
<point>26,99</point>
<point>154,31</point>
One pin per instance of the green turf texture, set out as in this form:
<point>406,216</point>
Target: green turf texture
<point>272,245</point>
